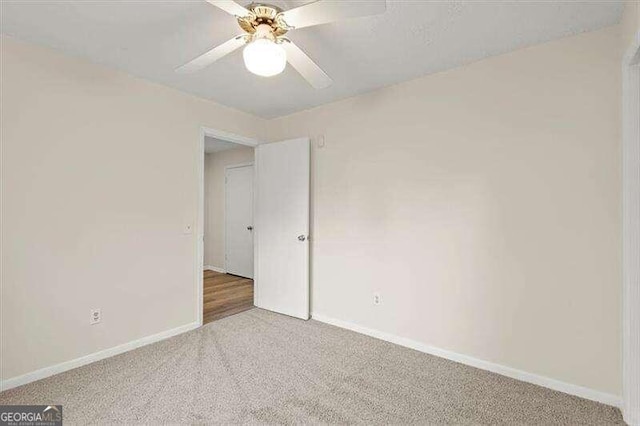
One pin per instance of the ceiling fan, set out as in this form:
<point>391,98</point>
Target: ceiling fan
<point>266,50</point>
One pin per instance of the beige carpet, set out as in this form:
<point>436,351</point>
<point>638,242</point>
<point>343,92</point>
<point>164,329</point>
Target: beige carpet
<point>260,367</point>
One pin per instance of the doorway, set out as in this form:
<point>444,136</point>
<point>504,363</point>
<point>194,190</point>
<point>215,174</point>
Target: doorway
<point>274,180</point>
<point>227,271</point>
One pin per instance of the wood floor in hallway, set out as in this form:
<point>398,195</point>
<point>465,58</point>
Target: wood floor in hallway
<point>225,295</point>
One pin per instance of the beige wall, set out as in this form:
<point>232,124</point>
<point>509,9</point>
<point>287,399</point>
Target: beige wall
<point>483,204</point>
<point>214,201</point>
<point>99,178</point>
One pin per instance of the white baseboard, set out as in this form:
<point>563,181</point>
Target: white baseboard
<point>96,356</point>
<point>524,376</point>
<point>215,269</point>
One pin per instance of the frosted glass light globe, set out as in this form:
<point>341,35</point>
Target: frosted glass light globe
<point>264,57</point>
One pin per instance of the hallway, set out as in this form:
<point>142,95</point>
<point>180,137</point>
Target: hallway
<point>225,295</point>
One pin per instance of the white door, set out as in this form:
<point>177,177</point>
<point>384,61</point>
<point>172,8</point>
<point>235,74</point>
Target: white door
<point>239,221</point>
<point>282,227</point>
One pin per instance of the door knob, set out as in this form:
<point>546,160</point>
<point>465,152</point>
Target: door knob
<point>301,238</point>
<point>249,228</point>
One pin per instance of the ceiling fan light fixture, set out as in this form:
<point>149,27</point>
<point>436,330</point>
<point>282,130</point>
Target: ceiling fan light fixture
<point>266,51</point>
<point>264,57</point>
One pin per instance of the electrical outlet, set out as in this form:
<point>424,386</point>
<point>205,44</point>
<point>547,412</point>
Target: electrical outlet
<point>96,316</point>
<point>376,299</point>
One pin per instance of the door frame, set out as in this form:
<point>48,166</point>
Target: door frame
<point>253,209</point>
<point>631,233</point>
<point>199,240</point>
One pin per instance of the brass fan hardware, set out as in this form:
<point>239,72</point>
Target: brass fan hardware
<point>260,13</point>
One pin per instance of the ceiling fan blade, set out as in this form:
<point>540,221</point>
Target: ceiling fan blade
<point>212,55</point>
<point>325,11</point>
<point>305,66</point>
<point>230,6</point>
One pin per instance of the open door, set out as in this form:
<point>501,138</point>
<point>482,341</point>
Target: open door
<point>282,227</point>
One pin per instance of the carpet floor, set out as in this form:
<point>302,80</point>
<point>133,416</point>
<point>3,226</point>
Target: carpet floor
<point>258,367</point>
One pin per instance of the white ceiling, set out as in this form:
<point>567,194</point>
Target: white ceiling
<point>213,145</point>
<point>151,38</point>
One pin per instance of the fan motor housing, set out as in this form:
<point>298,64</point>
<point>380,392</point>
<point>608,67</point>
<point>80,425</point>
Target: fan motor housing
<point>264,14</point>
